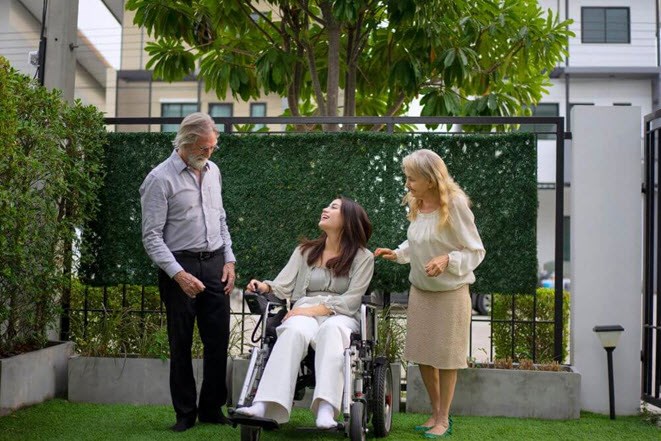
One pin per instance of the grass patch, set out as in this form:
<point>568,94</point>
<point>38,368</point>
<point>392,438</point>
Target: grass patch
<point>61,420</point>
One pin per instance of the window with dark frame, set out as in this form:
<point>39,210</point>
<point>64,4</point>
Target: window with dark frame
<point>605,25</point>
<point>543,109</point>
<point>221,110</point>
<point>176,109</point>
<point>258,109</point>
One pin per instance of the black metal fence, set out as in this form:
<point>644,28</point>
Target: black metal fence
<point>651,348</point>
<point>533,124</point>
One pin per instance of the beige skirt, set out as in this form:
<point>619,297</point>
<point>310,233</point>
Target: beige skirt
<point>437,328</point>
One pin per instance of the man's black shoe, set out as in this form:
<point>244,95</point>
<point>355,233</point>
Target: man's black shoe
<point>182,425</point>
<point>214,419</point>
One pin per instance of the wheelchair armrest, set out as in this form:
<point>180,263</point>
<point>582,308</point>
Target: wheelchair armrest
<point>257,301</point>
<point>371,300</point>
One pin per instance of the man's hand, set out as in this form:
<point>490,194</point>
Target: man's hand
<point>437,265</point>
<point>385,253</point>
<point>189,284</point>
<point>228,277</point>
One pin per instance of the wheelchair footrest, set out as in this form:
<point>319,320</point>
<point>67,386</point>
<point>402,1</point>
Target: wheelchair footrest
<point>245,420</point>
<point>338,428</point>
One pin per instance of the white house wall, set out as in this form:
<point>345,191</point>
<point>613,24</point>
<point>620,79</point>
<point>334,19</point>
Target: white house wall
<point>606,287</point>
<point>602,92</point>
<point>546,226</point>
<point>640,51</point>
<point>20,35</point>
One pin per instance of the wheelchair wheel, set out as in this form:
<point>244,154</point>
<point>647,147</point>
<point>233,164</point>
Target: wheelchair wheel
<point>357,422</point>
<point>250,433</point>
<point>382,400</point>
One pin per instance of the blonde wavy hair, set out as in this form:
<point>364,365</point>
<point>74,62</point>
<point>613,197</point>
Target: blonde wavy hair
<point>427,165</point>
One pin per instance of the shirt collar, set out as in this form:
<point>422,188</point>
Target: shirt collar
<point>179,164</point>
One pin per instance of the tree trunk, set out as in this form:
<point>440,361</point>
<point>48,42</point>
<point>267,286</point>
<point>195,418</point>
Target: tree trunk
<point>292,100</point>
<point>392,110</point>
<point>316,85</point>
<point>65,301</point>
<point>333,78</point>
<point>350,82</point>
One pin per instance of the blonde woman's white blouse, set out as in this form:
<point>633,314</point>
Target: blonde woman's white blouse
<point>458,238</point>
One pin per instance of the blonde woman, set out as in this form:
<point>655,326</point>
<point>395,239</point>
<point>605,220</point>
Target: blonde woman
<point>443,248</point>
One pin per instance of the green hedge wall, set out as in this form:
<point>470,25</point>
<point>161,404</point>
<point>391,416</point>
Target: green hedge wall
<point>274,188</point>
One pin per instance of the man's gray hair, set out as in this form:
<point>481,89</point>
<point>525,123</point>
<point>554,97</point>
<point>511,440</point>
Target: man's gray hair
<point>193,127</point>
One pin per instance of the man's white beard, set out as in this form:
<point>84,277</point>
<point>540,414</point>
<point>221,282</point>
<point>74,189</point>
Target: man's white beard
<point>197,162</point>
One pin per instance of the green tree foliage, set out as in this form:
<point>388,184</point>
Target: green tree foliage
<point>50,173</point>
<point>463,58</point>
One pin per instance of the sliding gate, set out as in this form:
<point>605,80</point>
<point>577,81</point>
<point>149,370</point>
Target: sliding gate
<point>651,350</point>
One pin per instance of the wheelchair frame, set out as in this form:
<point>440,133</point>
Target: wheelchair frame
<point>368,387</point>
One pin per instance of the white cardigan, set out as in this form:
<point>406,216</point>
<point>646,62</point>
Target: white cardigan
<point>293,280</point>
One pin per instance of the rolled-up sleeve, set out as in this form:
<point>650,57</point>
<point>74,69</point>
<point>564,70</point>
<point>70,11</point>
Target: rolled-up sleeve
<point>154,204</point>
<point>402,253</point>
<point>349,302</point>
<point>472,252</point>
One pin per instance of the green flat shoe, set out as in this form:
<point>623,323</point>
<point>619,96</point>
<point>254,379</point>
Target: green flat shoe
<point>445,434</point>
<point>422,428</point>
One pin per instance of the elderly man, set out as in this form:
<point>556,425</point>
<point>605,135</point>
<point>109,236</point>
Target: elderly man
<point>184,231</point>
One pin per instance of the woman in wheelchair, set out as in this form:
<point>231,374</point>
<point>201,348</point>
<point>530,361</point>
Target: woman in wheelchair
<point>326,279</point>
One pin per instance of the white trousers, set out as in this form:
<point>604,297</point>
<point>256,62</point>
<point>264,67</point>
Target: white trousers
<point>329,336</point>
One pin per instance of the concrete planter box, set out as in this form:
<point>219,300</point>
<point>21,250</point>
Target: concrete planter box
<point>396,371</point>
<point>34,377</point>
<point>505,392</point>
<point>240,369</point>
<point>124,380</point>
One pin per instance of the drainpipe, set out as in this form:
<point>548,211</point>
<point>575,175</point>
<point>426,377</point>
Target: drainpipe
<point>656,83</point>
<point>567,115</point>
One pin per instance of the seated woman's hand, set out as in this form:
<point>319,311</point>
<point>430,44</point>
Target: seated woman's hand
<point>311,311</point>
<point>255,285</point>
<point>385,253</point>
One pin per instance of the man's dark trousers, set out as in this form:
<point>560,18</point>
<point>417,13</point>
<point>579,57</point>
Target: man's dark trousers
<point>211,307</point>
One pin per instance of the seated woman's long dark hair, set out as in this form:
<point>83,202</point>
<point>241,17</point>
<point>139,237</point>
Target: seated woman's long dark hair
<point>356,231</point>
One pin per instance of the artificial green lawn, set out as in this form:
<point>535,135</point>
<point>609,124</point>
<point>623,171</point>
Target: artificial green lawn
<point>61,420</point>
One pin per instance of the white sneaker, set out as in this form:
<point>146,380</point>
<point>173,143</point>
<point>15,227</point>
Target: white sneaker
<point>325,415</point>
<point>258,409</point>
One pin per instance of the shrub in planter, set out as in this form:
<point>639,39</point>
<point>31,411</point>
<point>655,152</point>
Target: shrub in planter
<point>50,172</point>
<point>116,326</point>
<point>524,309</point>
<point>391,336</point>
<point>121,336</point>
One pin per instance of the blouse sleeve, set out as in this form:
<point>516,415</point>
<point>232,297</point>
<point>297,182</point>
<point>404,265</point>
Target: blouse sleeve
<point>402,252</point>
<point>468,257</point>
<point>349,302</point>
<point>283,285</point>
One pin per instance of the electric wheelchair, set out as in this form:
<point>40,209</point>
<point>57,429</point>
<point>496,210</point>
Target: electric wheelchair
<point>368,389</point>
